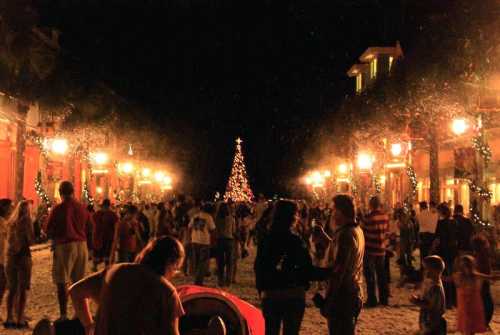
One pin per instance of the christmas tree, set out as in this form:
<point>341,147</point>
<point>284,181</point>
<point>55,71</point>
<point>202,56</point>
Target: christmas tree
<point>238,188</point>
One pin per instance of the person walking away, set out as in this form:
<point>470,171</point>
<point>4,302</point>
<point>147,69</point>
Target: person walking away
<point>5,211</point>
<point>445,245</point>
<point>432,301</point>
<point>165,221</point>
<point>407,242</point>
<point>470,307</point>
<point>136,298</point>
<point>283,269</point>
<point>375,227</point>
<point>181,223</point>
<point>200,228</point>
<point>127,237</point>
<point>145,225</point>
<point>427,222</point>
<point>344,297</point>
<point>481,252</point>
<point>465,230</point>
<point>67,228</point>
<point>18,268</point>
<point>225,230</point>
<point>105,221</point>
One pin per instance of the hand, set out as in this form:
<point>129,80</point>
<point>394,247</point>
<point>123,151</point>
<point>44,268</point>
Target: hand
<point>414,299</point>
<point>90,329</point>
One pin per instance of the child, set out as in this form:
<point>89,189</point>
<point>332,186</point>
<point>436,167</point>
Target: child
<point>432,302</point>
<point>470,314</point>
<point>481,252</point>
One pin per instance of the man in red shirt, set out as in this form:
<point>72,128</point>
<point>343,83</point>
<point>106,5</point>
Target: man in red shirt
<point>375,227</point>
<point>67,228</point>
<point>104,227</point>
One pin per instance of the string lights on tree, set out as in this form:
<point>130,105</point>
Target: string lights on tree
<point>412,176</point>
<point>238,188</point>
<point>482,148</point>
<point>40,191</point>
<point>482,192</point>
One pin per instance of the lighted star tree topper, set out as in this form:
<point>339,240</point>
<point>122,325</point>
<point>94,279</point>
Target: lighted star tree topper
<point>238,188</point>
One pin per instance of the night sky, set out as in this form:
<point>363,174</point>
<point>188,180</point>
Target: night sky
<point>205,72</point>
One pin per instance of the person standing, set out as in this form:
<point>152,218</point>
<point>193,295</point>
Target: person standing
<point>225,230</point>
<point>67,228</point>
<point>283,270</point>
<point>5,210</point>
<point>344,297</point>
<point>446,246</point>
<point>18,268</point>
<point>432,300</point>
<point>105,221</point>
<point>200,228</point>
<point>375,227</point>
<point>427,222</point>
<point>127,237</point>
<point>465,230</point>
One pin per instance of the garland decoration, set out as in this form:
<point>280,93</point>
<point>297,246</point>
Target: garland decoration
<point>40,190</point>
<point>476,219</point>
<point>482,148</point>
<point>86,195</point>
<point>412,176</point>
<point>482,192</point>
<point>39,141</point>
<point>378,185</point>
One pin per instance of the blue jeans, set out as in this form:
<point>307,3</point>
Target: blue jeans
<point>376,275</point>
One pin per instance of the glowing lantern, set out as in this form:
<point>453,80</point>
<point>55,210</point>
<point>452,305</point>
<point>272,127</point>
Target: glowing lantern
<point>146,172</point>
<point>343,168</point>
<point>127,167</point>
<point>59,146</point>
<point>365,161</point>
<point>159,176</point>
<point>396,149</point>
<point>459,126</point>
<point>100,158</point>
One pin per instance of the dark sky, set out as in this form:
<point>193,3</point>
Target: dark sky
<point>208,71</point>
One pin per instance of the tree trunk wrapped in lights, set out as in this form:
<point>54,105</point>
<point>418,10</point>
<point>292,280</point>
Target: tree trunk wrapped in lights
<point>238,188</point>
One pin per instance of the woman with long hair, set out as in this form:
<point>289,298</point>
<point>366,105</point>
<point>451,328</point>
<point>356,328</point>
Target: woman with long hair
<point>134,298</point>
<point>283,270</point>
<point>18,270</point>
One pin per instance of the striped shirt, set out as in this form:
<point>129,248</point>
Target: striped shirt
<point>375,227</point>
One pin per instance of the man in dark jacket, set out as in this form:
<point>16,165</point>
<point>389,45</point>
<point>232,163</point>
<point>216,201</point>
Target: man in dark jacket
<point>465,230</point>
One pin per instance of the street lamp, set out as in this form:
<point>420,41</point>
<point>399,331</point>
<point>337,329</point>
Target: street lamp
<point>146,172</point>
<point>396,149</point>
<point>365,161</point>
<point>59,146</point>
<point>100,158</point>
<point>159,176</point>
<point>459,126</point>
<point>343,168</point>
<point>127,167</point>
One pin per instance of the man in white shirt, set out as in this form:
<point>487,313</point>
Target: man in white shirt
<point>200,226</point>
<point>427,221</point>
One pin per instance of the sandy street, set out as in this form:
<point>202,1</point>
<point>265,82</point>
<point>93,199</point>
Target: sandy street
<point>400,318</point>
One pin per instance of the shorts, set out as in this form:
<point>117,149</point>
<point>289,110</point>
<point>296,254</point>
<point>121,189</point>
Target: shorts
<point>70,262</point>
<point>18,272</point>
<point>103,253</point>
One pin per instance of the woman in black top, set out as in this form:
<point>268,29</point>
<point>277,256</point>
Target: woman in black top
<point>446,246</point>
<point>283,269</point>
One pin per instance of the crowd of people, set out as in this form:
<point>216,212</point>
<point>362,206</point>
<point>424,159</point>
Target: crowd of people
<point>330,247</point>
